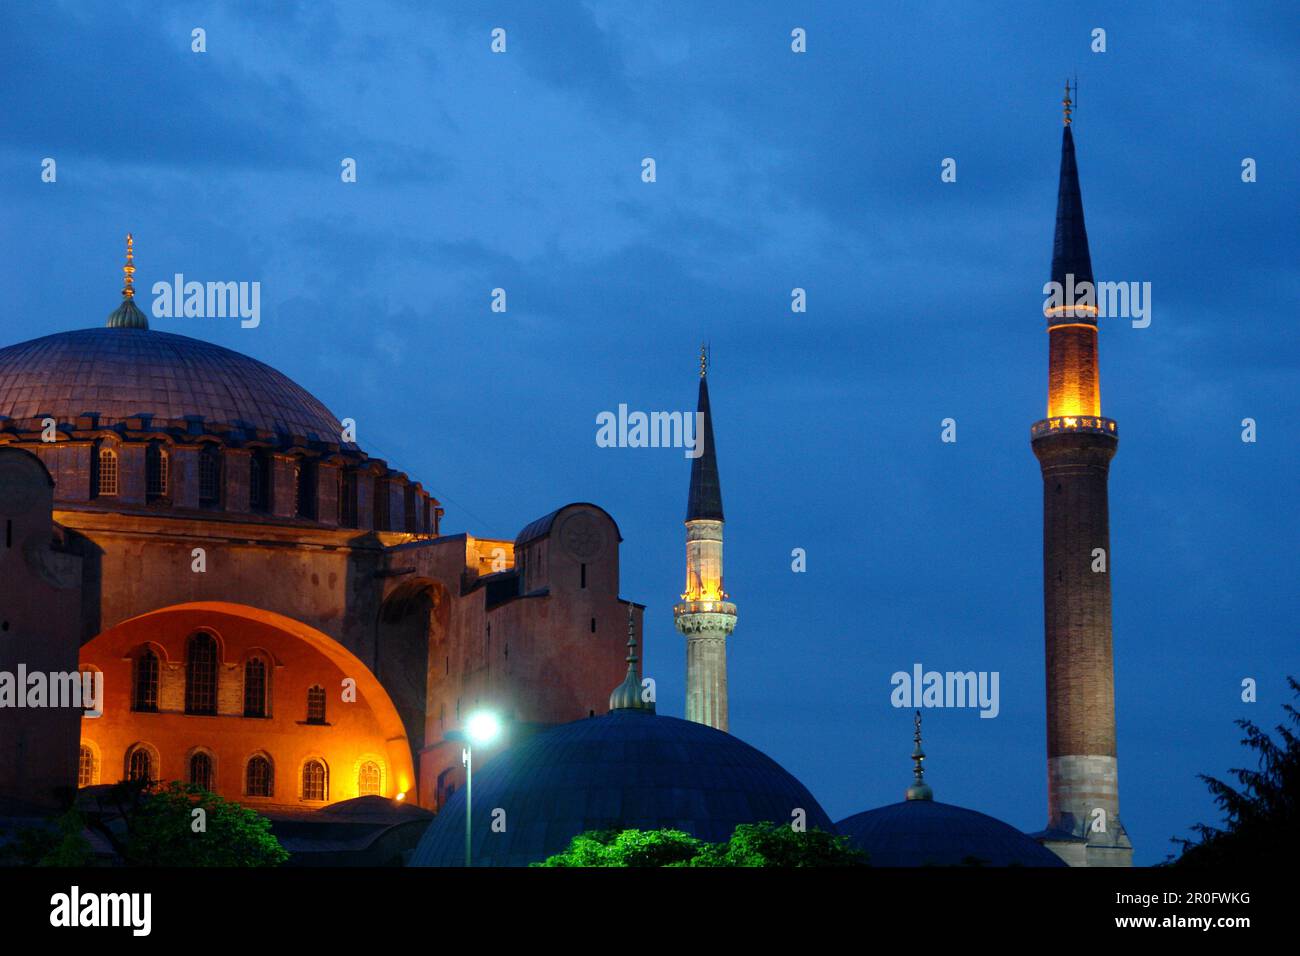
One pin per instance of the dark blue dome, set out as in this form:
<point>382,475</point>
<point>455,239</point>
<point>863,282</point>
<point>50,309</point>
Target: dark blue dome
<point>926,833</point>
<point>628,769</point>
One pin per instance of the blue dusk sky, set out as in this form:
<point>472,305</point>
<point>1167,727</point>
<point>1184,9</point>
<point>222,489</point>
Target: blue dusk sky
<point>775,170</point>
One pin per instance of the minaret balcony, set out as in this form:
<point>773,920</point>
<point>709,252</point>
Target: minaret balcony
<point>694,617</point>
<point>1074,423</point>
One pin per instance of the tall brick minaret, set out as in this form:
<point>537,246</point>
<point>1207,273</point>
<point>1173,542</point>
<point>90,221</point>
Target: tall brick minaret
<point>705,616</point>
<point>1074,446</point>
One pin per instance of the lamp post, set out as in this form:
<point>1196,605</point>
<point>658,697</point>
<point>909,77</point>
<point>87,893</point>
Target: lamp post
<point>482,728</point>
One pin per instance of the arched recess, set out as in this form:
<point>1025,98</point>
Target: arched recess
<point>265,629</point>
<point>410,639</point>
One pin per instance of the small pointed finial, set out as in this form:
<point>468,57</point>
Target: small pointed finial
<point>704,359</point>
<point>128,270</point>
<point>628,695</point>
<point>919,790</point>
<point>1067,102</point>
<point>631,637</point>
<point>128,315</point>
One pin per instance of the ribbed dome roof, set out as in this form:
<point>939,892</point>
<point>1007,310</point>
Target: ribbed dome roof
<point>926,833</point>
<point>628,769</point>
<point>125,372</point>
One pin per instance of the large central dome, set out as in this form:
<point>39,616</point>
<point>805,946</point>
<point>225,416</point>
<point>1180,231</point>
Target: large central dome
<point>121,373</point>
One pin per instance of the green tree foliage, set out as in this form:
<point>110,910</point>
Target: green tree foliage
<point>64,844</point>
<point>752,844</point>
<point>164,830</point>
<point>1262,825</point>
<point>628,848</point>
<point>774,844</point>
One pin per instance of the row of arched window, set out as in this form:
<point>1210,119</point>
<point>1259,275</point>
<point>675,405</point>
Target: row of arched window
<point>259,773</point>
<point>202,669</point>
<point>261,485</point>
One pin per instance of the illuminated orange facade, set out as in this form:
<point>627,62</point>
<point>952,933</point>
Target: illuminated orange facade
<point>245,702</point>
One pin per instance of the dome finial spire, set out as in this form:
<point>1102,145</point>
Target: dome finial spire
<point>919,790</point>
<point>1067,101</point>
<point>704,359</point>
<point>128,314</point>
<point>627,695</point>
<point>128,270</point>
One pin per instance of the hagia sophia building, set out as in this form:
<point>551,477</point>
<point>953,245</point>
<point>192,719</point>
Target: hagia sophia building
<point>278,618</point>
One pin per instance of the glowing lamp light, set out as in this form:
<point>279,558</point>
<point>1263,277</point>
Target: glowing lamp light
<point>483,727</point>
<point>401,796</point>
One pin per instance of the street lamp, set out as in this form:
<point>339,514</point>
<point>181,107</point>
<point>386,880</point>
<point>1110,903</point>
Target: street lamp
<point>482,727</point>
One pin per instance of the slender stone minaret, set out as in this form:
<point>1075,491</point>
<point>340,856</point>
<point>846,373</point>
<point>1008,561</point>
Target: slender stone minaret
<point>705,616</point>
<point>1074,446</point>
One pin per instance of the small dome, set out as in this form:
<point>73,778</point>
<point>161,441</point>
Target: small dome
<point>628,695</point>
<point>922,832</point>
<point>124,372</point>
<point>628,769</point>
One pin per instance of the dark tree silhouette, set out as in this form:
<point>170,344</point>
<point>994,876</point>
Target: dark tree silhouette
<point>1262,819</point>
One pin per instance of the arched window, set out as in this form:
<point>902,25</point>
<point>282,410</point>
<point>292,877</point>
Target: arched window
<point>145,693</point>
<point>315,780</point>
<point>259,778</point>
<point>201,770</point>
<point>304,480</point>
<point>85,767</point>
<point>155,470</point>
<point>106,480</point>
<point>210,475</point>
<point>139,765</point>
<point>255,687</point>
<point>368,778</point>
<point>201,674</point>
<point>316,705</point>
<point>259,483</point>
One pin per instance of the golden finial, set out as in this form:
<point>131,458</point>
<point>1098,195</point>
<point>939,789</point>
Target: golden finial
<point>128,270</point>
<point>704,359</point>
<point>1066,102</point>
<point>919,790</point>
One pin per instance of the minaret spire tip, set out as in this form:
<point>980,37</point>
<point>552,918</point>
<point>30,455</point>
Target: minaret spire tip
<point>704,359</point>
<point>1067,102</point>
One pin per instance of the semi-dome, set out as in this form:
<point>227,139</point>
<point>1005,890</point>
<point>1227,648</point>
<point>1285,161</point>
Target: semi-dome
<point>922,832</point>
<point>125,372</point>
<point>628,769</point>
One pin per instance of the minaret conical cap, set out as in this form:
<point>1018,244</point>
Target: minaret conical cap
<point>705,498</point>
<point>1070,254</point>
